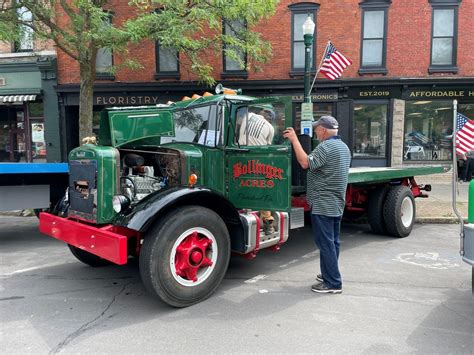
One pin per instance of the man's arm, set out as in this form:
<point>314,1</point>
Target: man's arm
<point>300,154</point>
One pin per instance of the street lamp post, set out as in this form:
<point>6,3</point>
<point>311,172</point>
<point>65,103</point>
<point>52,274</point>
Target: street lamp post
<point>307,106</point>
<point>308,33</point>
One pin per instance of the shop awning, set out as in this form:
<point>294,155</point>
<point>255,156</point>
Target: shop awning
<point>17,98</point>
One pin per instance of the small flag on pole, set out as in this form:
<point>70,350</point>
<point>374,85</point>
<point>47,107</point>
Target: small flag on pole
<point>334,63</point>
<point>464,134</point>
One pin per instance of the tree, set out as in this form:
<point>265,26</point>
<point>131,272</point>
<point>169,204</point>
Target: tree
<point>80,28</point>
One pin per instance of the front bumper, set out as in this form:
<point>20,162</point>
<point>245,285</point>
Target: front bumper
<point>107,242</point>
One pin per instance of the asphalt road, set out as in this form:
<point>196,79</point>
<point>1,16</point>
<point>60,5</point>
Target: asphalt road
<point>400,295</point>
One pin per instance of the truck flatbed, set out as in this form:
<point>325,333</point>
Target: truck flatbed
<point>31,185</point>
<point>33,168</point>
<point>368,174</point>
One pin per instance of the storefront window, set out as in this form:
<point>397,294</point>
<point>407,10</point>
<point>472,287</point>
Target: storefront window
<point>35,109</point>
<point>36,126</point>
<point>12,134</point>
<point>370,131</point>
<point>319,109</point>
<point>428,130</point>
<point>467,110</point>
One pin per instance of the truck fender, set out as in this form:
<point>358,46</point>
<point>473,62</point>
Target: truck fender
<point>155,205</point>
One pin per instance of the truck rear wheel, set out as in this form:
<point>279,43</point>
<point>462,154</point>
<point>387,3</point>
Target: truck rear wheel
<point>375,210</point>
<point>399,211</point>
<point>88,258</point>
<point>184,257</point>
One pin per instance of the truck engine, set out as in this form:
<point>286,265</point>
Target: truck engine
<point>145,173</point>
<point>100,175</point>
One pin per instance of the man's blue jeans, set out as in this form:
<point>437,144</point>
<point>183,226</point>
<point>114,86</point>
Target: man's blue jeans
<point>326,235</point>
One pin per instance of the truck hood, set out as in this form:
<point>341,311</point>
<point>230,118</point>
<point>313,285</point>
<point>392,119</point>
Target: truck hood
<point>119,128</point>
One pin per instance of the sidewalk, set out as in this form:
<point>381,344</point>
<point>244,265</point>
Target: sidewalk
<point>438,207</point>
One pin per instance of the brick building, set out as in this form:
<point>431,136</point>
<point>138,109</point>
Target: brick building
<point>411,58</point>
<point>29,115</point>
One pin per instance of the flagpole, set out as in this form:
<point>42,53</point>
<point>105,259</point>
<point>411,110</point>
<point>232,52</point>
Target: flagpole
<point>321,63</point>
<point>455,177</point>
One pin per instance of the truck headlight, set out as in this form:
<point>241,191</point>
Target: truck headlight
<point>120,203</point>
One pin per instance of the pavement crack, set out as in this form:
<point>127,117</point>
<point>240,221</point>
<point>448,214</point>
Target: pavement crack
<point>86,326</point>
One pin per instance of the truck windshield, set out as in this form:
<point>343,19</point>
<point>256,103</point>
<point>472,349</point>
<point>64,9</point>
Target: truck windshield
<point>201,125</point>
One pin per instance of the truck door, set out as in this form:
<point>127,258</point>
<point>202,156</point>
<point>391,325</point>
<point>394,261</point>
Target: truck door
<point>258,158</point>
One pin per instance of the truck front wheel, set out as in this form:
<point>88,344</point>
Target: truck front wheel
<point>88,258</point>
<point>399,211</point>
<point>185,256</point>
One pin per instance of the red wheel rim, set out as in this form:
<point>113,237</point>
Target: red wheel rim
<point>193,256</point>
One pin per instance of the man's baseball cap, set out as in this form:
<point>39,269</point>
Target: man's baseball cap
<point>328,122</point>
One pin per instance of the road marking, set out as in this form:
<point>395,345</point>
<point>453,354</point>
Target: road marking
<point>310,255</point>
<point>428,260</point>
<point>289,263</point>
<point>21,271</point>
<point>255,279</point>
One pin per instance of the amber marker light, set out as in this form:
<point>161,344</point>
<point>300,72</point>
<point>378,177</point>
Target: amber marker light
<point>192,180</point>
<point>185,98</point>
<point>207,93</point>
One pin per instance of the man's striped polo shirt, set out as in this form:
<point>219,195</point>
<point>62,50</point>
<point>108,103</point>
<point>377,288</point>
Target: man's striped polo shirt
<point>328,174</point>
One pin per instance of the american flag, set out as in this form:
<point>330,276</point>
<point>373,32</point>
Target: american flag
<point>334,63</point>
<point>464,134</point>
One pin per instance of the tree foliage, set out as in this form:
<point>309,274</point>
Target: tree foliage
<point>193,28</point>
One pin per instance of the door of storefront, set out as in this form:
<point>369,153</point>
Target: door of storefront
<point>22,133</point>
<point>370,138</point>
<point>12,134</point>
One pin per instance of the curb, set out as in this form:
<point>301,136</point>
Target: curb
<point>18,213</point>
<point>438,220</point>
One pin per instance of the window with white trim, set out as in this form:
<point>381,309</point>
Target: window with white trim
<point>231,65</point>
<point>299,14</point>
<point>444,36</point>
<point>374,37</point>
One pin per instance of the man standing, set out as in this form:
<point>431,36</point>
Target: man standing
<point>256,130</point>
<point>328,173</point>
<point>468,158</point>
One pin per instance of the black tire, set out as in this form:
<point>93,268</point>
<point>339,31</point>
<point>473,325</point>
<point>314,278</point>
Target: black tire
<point>88,258</point>
<point>158,269</point>
<point>399,211</point>
<point>61,208</point>
<point>375,210</point>
<point>37,211</point>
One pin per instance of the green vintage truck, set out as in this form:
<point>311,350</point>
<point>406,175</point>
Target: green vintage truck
<point>175,186</point>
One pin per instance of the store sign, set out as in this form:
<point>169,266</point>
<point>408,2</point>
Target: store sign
<point>377,93</point>
<point>108,100</point>
<point>374,93</point>
<point>307,111</point>
<point>437,94</point>
<point>318,97</point>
